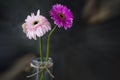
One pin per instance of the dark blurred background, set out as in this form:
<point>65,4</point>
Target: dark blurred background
<point>90,50</point>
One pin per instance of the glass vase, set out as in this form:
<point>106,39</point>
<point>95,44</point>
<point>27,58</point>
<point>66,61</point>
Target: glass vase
<point>42,70</point>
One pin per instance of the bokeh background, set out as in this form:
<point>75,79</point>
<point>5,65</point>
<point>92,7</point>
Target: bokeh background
<point>90,50</point>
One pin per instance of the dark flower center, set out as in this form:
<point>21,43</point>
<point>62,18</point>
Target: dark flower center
<point>35,22</point>
<point>61,16</point>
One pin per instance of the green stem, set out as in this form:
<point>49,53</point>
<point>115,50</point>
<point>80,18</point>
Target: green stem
<point>42,75</point>
<point>48,43</point>
<point>41,55</point>
<point>41,58</point>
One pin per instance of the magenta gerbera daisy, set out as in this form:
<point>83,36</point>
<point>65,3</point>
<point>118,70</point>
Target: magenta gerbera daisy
<point>62,16</point>
<point>36,25</point>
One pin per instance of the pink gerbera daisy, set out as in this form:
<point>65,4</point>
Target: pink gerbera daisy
<point>62,16</point>
<point>36,25</point>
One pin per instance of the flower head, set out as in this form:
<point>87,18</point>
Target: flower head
<point>36,25</point>
<point>62,16</point>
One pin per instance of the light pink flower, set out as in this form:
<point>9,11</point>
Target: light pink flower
<point>36,25</point>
